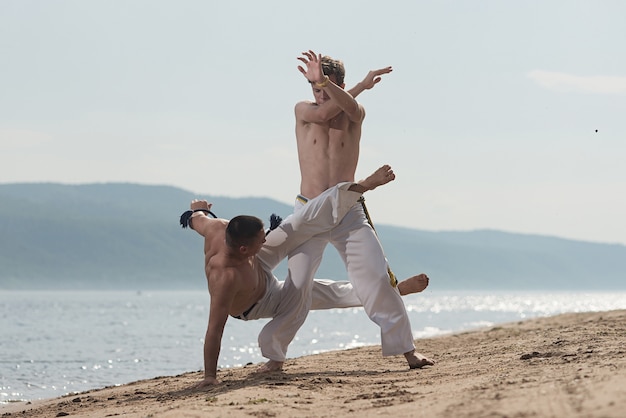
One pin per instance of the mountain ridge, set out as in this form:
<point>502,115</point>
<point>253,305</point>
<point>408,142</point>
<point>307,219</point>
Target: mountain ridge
<point>126,235</point>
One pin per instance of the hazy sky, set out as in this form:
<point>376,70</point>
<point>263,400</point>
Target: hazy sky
<point>506,115</point>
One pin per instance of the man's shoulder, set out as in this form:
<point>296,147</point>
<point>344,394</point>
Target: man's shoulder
<point>220,264</point>
<point>302,110</point>
<point>305,104</point>
<point>222,276</point>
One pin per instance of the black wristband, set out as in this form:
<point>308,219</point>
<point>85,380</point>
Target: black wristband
<point>185,218</point>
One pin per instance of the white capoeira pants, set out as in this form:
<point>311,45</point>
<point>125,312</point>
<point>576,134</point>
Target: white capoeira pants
<point>281,298</point>
<point>320,215</point>
<point>327,294</point>
<point>366,264</point>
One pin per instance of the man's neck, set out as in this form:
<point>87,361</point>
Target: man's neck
<point>235,258</point>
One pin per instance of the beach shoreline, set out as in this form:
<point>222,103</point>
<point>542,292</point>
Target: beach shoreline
<point>569,365</point>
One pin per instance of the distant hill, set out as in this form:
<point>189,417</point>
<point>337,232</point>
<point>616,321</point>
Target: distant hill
<point>101,236</point>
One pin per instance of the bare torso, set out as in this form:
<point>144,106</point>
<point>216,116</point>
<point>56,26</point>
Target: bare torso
<point>328,152</point>
<point>245,277</point>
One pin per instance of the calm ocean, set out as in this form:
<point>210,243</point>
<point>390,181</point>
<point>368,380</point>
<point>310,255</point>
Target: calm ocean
<point>55,342</point>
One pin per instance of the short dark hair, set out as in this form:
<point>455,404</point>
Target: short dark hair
<point>242,229</point>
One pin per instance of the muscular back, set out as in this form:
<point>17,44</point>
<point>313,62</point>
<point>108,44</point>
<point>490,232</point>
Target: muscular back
<point>328,151</point>
<point>234,284</point>
<point>244,283</point>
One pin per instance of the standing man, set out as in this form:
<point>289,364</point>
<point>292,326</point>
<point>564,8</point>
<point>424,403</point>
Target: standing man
<point>328,133</point>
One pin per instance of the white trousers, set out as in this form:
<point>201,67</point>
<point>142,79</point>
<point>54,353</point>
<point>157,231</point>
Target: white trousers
<point>358,246</point>
<point>327,294</point>
<point>320,215</point>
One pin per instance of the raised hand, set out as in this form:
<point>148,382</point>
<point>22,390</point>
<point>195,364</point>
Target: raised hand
<point>373,77</point>
<point>313,63</point>
<point>200,204</point>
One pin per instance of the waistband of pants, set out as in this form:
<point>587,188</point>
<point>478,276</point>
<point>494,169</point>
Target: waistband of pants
<point>302,199</point>
<point>245,314</point>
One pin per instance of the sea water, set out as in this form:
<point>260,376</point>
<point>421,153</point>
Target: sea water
<point>58,342</point>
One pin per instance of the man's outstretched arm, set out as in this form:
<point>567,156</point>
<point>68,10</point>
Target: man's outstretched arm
<point>332,109</point>
<point>371,79</point>
<point>340,101</point>
<point>200,221</point>
<point>222,294</point>
<point>315,75</point>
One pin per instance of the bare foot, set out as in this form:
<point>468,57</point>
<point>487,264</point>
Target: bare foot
<point>413,284</point>
<point>379,177</point>
<point>416,360</point>
<point>270,366</point>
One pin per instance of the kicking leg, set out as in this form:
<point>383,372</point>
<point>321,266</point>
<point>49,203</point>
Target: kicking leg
<point>331,294</point>
<point>319,215</point>
<point>379,177</point>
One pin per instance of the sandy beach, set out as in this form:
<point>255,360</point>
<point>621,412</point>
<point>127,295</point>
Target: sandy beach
<point>570,365</point>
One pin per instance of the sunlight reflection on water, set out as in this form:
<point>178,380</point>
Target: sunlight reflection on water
<point>55,343</point>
